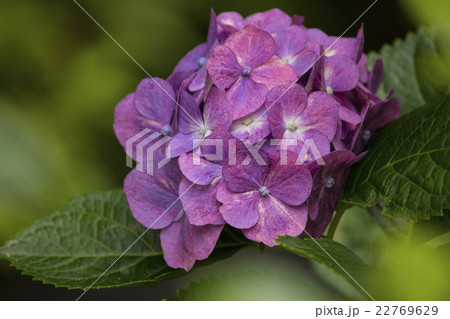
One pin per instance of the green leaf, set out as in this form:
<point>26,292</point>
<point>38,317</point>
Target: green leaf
<point>416,68</point>
<point>75,245</point>
<point>257,285</point>
<point>407,166</point>
<point>334,255</point>
<point>431,232</point>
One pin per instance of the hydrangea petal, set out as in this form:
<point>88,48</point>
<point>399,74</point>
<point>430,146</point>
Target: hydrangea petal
<point>153,199</point>
<point>246,96</point>
<point>277,219</point>
<point>273,73</point>
<point>198,81</point>
<point>223,67</point>
<point>244,173</point>
<point>324,204</point>
<point>345,46</point>
<point>289,183</point>
<point>201,174</point>
<point>311,143</point>
<point>321,114</point>
<point>340,73</point>
<point>272,21</point>
<point>212,33</point>
<point>200,204</point>
<point>183,143</point>
<point>290,42</point>
<point>349,116</point>
<point>303,61</point>
<point>184,243</point>
<point>240,210</point>
<point>228,23</point>
<point>376,76</point>
<point>320,200</point>
<point>252,46</point>
<point>382,114</point>
<point>253,127</point>
<point>190,61</point>
<point>155,99</point>
<point>189,116</point>
<point>285,103</point>
<point>217,110</point>
<point>128,122</point>
<point>219,141</point>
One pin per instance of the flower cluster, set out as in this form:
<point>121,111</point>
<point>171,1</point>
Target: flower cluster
<point>292,108</point>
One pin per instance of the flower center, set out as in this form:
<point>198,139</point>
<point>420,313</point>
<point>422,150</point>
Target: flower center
<point>264,191</point>
<point>247,121</point>
<point>366,135</point>
<point>166,130</point>
<point>329,182</point>
<point>291,126</point>
<point>246,71</point>
<point>201,61</point>
<point>329,53</point>
<point>202,129</point>
<point>285,60</point>
<point>329,90</point>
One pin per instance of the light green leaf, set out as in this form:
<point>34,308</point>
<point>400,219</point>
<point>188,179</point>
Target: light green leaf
<point>257,285</point>
<point>74,246</point>
<point>407,166</point>
<point>334,255</point>
<point>416,68</point>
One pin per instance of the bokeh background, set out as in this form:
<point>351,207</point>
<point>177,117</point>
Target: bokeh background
<point>60,79</point>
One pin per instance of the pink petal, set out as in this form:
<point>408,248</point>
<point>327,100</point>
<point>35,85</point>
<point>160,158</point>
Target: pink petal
<point>217,110</point>
<point>183,143</point>
<point>128,123</point>
<point>308,142</point>
<point>153,199</point>
<point>184,243</point>
<point>244,173</point>
<point>277,219</point>
<point>303,61</point>
<point>200,204</point>
<point>253,127</point>
<point>341,74</point>
<point>189,116</point>
<point>228,23</point>
<point>273,73</point>
<point>223,67</point>
<point>203,173</point>
<point>349,116</point>
<point>321,114</point>
<point>285,103</point>
<point>252,46</point>
<point>289,182</point>
<point>198,81</point>
<point>240,210</point>
<point>290,42</point>
<point>272,21</point>
<point>155,99</point>
<point>246,96</point>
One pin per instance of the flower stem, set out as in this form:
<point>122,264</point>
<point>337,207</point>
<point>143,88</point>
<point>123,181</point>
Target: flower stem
<point>336,219</point>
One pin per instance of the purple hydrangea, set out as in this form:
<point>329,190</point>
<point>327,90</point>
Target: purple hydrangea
<point>264,122</point>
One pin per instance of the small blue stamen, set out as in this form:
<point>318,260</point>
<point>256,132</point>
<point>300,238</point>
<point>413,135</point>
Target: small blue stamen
<point>329,182</point>
<point>201,61</point>
<point>264,191</point>
<point>366,135</point>
<point>166,130</point>
<point>246,71</point>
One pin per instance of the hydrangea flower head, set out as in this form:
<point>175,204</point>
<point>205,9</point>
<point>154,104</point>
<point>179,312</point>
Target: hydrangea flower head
<point>257,128</point>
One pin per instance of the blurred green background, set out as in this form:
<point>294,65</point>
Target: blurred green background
<point>61,77</point>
